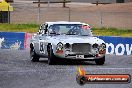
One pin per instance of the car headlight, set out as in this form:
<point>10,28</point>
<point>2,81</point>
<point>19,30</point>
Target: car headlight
<point>102,46</point>
<point>59,46</point>
<point>67,45</point>
<point>95,45</point>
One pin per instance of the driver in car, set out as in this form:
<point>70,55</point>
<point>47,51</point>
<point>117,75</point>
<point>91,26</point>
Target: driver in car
<point>55,30</point>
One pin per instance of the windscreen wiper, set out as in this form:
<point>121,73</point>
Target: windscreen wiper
<point>55,33</point>
<point>70,34</point>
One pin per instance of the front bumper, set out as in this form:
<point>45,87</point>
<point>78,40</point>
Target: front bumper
<point>81,53</point>
<point>80,56</point>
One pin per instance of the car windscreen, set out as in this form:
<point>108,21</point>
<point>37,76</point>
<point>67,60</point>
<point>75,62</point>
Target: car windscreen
<point>70,29</point>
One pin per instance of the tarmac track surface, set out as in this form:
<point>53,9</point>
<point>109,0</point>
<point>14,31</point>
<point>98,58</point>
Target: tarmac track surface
<point>17,71</point>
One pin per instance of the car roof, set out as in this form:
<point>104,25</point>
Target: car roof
<point>63,22</point>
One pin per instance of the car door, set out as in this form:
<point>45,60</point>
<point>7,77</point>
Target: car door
<point>42,47</point>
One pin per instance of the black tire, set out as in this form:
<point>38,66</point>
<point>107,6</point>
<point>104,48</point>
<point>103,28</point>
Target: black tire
<point>100,61</point>
<point>33,56</point>
<point>51,57</point>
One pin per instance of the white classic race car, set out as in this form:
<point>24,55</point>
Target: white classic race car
<point>66,40</point>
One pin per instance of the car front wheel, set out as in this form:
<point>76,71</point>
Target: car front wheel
<point>100,61</point>
<point>33,56</point>
<point>51,57</point>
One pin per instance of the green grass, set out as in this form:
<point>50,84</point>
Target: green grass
<point>19,27</point>
<point>33,28</point>
<point>112,32</point>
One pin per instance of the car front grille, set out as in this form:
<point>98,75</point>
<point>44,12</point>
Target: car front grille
<point>81,48</point>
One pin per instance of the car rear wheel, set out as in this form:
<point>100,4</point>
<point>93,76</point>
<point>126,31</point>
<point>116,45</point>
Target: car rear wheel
<point>33,56</point>
<point>51,57</point>
<point>100,61</point>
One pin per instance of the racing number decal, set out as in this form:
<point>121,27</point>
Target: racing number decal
<point>42,48</point>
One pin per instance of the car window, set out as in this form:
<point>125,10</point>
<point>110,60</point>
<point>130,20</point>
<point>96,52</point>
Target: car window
<point>70,29</point>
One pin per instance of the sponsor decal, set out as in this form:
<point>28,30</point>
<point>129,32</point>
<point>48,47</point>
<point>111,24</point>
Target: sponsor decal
<point>1,41</point>
<point>4,45</point>
<point>16,45</point>
<point>119,49</point>
<point>118,45</point>
<point>82,78</point>
<point>12,40</point>
<point>41,47</point>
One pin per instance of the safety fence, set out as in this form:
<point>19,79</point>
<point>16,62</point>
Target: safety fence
<point>30,13</point>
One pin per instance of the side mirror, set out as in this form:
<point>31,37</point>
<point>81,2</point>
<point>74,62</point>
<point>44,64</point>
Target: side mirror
<point>35,34</point>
